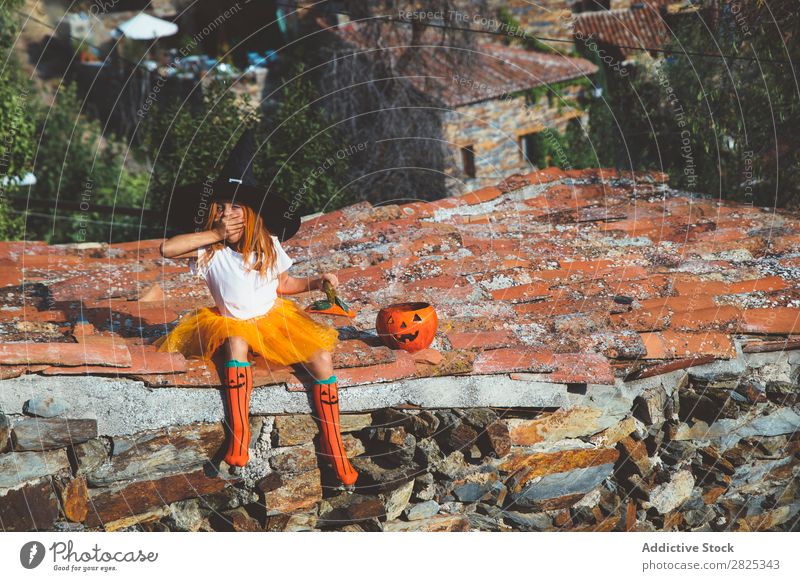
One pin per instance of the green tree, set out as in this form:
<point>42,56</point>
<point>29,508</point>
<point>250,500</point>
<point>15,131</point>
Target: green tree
<point>190,143</point>
<point>723,127</point>
<point>303,157</point>
<point>297,154</point>
<point>743,116</point>
<point>83,177</point>
<point>578,146</point>
<point>17,126</point>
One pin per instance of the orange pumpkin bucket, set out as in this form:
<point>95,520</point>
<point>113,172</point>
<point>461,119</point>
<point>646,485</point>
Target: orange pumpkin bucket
<point>331,305</point>
<point>407,326</point>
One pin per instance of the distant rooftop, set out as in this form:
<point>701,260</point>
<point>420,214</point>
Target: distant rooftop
<point>641,27</point>
<point>493,71</point>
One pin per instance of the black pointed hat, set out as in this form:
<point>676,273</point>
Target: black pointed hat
<point>190,203</point>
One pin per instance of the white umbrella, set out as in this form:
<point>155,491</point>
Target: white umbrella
<point>145,27</point>
<point>27,180</point>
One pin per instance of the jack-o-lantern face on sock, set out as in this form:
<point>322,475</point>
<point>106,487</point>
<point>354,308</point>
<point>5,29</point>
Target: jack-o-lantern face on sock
<point>238,380</point>
<point>408,326</point>
<point>328,394</point>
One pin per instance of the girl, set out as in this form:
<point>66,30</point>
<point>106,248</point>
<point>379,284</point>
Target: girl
<point>245,269</point>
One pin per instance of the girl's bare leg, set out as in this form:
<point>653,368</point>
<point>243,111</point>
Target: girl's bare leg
<point>238,387</point>
<point>326,401</point>
<point>320,364</point>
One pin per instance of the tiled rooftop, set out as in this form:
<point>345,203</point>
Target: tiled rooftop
<point>493,69</point>
<point>635,27</point>
<point>573,276</point>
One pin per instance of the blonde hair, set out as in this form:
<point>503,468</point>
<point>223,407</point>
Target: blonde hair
<point>256,241</point>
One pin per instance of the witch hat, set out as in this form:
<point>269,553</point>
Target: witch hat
<point>190,203</point>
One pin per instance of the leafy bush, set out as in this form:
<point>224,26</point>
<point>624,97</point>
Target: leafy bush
<point>82,175</point>
<point>294,145</point>
<point>722,127</point>
<point>188,143</point>
<point>16,121</point>
<point>302,158</point>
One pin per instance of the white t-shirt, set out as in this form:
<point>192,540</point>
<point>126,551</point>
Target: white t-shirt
<point>240,294</point>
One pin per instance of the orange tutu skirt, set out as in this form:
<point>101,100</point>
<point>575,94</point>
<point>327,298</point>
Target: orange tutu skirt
<point>285,335</point>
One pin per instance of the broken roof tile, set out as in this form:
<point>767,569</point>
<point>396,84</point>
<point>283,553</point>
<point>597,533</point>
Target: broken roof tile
<point>670,344</point>
<point>110,353</point>
<point>514,359</point>
<point>773,320</point>
<point>143,360</point>
<point>483,339</point>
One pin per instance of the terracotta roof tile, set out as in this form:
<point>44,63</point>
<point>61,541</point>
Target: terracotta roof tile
<point>670,344</point>
<point>30,313</point>
<point>577,368</point>
<point>523,293</point>
<point>759,346</point>
<point>512,359</point>
<point>694,286</point>
<point>108,354</point>
<point>483,339</point>
<point>358,353</point>
<point>143,360</point>
<point>10,275</point>
<point>562,304</point>
<point>607,269</point>
<point>637,27</point>
<point>660,368</point>
<point>403,366</point>
<point>724,317</point>
<point>12,371</point>
<point>777,320</point>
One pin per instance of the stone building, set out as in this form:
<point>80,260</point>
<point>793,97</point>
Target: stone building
<point>491,104</point>
<point>493,130</point>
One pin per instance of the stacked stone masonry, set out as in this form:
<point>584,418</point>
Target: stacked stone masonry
<point>698,450</point>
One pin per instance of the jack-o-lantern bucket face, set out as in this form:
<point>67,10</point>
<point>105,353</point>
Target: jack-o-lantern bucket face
<point>408,326</point>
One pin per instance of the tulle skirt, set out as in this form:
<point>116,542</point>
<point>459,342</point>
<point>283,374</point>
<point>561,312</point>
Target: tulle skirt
<point>285,335</point>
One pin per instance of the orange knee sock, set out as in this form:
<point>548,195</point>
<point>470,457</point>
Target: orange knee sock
<point>326,400</point>
<point>239,385</point>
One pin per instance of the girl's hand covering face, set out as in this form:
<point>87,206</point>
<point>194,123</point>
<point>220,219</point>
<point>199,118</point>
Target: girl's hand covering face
<point>229,224</point>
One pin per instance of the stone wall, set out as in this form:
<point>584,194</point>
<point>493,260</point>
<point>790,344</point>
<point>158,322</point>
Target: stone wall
<point>494,128</point>
<point>714,447</point>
